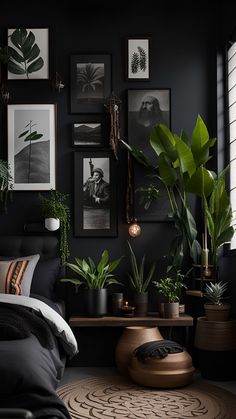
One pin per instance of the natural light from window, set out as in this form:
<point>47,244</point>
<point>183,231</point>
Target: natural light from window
<point>232,132</point>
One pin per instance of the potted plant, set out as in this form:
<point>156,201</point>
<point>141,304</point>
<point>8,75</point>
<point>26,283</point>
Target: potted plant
<point>6,183</point>
<point>216,310</point>
<point>139,281</point>
<point>57,214</point>
<point>95,278</point>
<point>171,288</point>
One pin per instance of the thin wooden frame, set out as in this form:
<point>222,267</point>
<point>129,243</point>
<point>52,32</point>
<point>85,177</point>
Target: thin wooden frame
<point>90,82</point>
<point>29,54</point>
<point>138,58</point>
<point>31,146</point>
<point>147,108</point>
<point>89,131</point>
<point>95,219</point>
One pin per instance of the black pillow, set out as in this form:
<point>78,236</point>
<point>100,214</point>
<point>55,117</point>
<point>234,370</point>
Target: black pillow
<point>45,277</point>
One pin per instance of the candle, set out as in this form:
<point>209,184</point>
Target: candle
<point>127,311</point>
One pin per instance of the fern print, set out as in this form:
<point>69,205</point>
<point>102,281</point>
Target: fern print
<point>135,63</point>
<point>142,58</point>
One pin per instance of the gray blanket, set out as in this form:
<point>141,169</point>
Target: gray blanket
<point>29,375</point>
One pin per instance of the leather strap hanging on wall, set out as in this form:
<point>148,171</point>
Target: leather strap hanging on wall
<point>112,106</point>
<point>130,191</point>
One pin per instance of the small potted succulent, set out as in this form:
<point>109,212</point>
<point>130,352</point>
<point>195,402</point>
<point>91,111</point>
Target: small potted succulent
<point>216,310</point>
<point>95,278</point>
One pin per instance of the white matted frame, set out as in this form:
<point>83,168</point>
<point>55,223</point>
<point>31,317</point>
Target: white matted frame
<point>29,54</point>
<point>138,59</point>
<point>31,146</point>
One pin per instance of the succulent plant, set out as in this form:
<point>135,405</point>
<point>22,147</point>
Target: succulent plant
<point>214,292</point>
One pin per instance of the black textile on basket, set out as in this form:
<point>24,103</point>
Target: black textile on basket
<point>18,322</point>
<point>156,349</point>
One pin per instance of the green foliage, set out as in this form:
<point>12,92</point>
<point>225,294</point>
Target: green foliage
<point>139,279</point>
<point>214,292</point>
<point>180,167</point>
<point>4,55</point>
<point>24,58</point>
<point>54,206</point>
<point>171,287</point>
<point>218,216</point>
<point>6,183</point>
<point>94,276</point>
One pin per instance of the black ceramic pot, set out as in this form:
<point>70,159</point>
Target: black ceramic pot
<point>96,302</point>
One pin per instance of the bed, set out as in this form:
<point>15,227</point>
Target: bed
<point>34,337</point>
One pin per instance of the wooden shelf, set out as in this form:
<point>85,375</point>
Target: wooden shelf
<point>110,321</point>
<point>195,293</point>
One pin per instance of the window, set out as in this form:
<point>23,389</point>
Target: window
<point>231,60</point>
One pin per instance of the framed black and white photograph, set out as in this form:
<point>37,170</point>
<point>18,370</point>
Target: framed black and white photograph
<point>89,131</point>
<point>147,108</point>
<point>31,146</point>
<point>90,82</point>
<point>138,58</point>
<point>29,54</point>
<point>95,194</point>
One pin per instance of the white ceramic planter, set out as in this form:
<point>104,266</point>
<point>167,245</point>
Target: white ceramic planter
<point>52,224</point>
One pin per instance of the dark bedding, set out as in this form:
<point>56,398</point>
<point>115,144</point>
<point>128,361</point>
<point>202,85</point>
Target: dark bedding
<point>31,359</point>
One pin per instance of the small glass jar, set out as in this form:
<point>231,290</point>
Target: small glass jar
<point>117,303</point>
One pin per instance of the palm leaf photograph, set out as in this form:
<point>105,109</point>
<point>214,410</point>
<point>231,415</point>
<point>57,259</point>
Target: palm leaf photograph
<point>28,53</point>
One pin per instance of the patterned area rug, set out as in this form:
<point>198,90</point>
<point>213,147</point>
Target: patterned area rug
<point>118,398</point>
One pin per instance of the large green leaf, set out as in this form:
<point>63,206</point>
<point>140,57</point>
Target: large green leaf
<point>138,155</point>
<point>199,137</point>
<point>162,141</point>
<point>18,37</point>
<point>15,55</point>
<point>201,183</point>
<point>167,173</point>
<point>186,159</point>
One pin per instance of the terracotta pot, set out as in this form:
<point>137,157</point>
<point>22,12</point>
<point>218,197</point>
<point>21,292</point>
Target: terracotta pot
<point>217,312</point>
<point>131,338</point>
<point>175,370</point>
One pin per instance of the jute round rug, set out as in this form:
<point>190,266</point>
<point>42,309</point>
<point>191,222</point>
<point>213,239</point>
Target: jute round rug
<point>116,397</point>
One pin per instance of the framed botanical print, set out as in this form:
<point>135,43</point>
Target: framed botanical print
<point>95,194</point>
<point>31,146</point>
<point>90,82</point>
<point>29,53</point>
<point>147,108</point>
<point>138,59</point>
<point>89,131</point>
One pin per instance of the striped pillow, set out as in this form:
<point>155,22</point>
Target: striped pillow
<point>12,275</point>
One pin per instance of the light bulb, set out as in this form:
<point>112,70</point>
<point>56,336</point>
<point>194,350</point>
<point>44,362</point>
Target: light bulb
<point>134,229</point>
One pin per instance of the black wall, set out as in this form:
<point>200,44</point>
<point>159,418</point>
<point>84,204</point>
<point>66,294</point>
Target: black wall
<point>183,58</point>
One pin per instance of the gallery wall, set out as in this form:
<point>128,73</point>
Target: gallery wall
<point>182,58</point>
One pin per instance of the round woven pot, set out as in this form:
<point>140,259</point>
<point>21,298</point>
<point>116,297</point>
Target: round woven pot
<point>217,312</point>
<point>175,370</point>
<point>131,338</point>
<point>215,335</point>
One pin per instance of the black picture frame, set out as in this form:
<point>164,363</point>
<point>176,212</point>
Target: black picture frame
<point>90,97</point>
<point>138,58</point>
<point>95,219</point>
<point>89,131</point>
<point>157,101</point>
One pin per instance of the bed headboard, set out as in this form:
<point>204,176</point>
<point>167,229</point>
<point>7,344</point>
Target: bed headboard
<point>46,246</point>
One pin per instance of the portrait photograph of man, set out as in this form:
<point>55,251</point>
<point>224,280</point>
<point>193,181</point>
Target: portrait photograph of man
<point>146,109</point>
